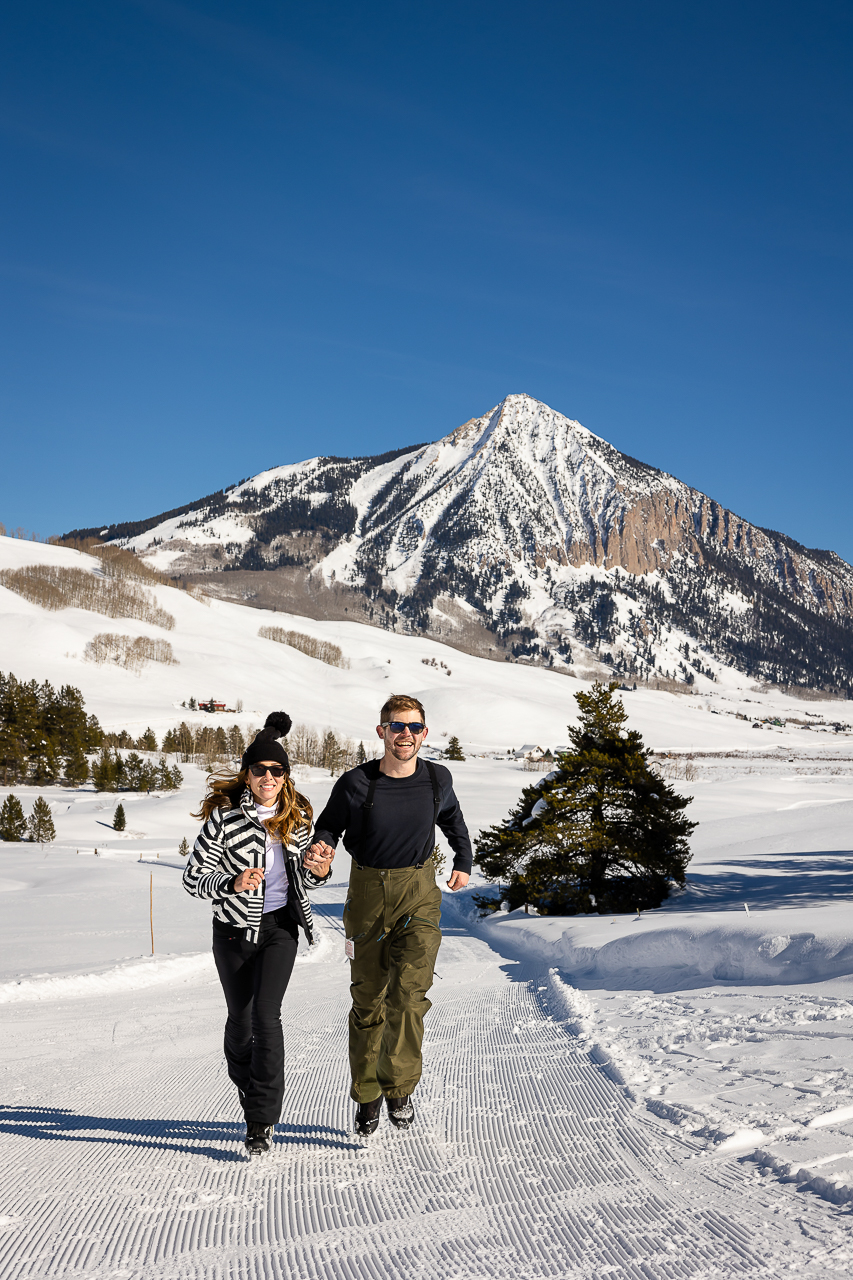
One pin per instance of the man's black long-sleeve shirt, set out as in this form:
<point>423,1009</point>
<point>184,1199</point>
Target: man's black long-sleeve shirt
<point>400,822</point>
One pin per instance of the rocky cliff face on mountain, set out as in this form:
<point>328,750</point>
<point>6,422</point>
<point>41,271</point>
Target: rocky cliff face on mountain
<point>522,535</point>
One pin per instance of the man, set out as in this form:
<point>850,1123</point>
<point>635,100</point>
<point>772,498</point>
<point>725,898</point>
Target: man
<point>388,811</point>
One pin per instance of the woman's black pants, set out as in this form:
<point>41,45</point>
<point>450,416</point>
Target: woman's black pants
<point>254,977</point>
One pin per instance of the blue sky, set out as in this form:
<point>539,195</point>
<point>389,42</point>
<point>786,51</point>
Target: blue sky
<point>238,235</point>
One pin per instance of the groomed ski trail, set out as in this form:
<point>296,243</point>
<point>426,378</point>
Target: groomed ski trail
<point>122,1150</point>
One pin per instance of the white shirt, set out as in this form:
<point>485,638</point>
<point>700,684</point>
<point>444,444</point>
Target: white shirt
<point>275,875</point>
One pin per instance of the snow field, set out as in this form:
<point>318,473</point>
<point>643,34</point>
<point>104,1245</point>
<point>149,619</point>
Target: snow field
<point>122,1150</point>
<point>660,1097</point>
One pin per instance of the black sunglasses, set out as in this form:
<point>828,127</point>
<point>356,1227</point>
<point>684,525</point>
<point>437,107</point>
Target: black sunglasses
<point>397,726</point>
<point>259,770</point>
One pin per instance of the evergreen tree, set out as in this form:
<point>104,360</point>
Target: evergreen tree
<point>453,750</point>
<point>119,818</point>
<point>134,767</point>
<point>361,754</point>
<point>39,728</point>
<point>40,823</point>
<point>185,741</point>
<point>94,734</point>
<point>104,772</point>
<point>13,760</point>
<point>148,742</point>
<point>331,752</point>
<point>184,848</point>
<point>120,771</point>
<point>602,831</point>
<point>168,779</point>
<point>44,765</point>
<point>236,742</point>
<point>76,766</point>
<point>13,824</point>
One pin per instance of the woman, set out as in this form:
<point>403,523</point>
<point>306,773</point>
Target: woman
<point>252,859</point>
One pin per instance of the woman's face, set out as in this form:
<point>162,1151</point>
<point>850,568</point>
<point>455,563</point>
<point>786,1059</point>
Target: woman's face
<point>266,789</point>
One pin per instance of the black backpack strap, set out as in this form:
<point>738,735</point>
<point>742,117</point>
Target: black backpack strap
<point>436,803</point>
<point>367,808</point>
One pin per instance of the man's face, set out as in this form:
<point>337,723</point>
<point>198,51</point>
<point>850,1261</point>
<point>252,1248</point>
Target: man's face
<point>401,742</point>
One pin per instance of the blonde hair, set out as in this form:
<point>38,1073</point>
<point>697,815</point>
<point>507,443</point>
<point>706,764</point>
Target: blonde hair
<point>224,791</point>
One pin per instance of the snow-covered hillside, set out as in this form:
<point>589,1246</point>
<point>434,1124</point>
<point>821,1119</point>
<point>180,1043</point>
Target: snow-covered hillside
<point>219,654</point>
<point>663,1097</point>
<point>523,533</point>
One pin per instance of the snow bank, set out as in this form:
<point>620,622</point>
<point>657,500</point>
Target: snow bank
<point>694,949</point>
<point>837,1190</point>
<point>725,953</point>
<point>578,1011</point>
<point>123,977</point>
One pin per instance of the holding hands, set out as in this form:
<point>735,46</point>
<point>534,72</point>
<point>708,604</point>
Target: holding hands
<point>319,857</point>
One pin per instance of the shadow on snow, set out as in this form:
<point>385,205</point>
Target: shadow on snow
<point>57,1124</point>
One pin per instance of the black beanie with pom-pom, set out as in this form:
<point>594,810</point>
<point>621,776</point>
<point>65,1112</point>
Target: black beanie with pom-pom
<point>266,745</point>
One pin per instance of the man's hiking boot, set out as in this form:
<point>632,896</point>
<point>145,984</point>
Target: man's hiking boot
<point>367,1117</point>
<point>401,1113</point>
<point>258,1138</point>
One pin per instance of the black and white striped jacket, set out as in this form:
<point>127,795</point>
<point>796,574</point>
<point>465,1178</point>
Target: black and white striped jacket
<point>232,840</point>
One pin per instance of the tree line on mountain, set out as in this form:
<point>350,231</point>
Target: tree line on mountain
<point>52,586</point>
<point>323,650</point>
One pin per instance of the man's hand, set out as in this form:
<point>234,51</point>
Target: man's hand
<point>248,880</point>
<point>318,859</point>
<point>458,880</point>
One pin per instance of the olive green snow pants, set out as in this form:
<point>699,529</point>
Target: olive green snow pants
<point>392,919</point>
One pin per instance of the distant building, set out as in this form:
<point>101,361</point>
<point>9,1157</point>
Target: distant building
<point>211,705</point>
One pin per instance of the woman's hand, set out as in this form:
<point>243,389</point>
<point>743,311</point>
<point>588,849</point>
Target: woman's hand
<point>318,859</point>
<point>247,880</point>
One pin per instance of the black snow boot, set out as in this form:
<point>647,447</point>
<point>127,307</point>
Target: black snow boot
<point>258,1138</point>
<point>401,1113</point>
<point>367,1117</point>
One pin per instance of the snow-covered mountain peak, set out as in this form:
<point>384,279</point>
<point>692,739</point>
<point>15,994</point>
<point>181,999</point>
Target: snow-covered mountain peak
<point>524,534</point>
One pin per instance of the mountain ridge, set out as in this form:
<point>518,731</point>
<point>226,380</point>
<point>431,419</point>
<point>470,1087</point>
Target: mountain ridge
<point>524,526</point>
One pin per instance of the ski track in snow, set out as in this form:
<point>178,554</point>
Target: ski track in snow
<point>122,1150</point>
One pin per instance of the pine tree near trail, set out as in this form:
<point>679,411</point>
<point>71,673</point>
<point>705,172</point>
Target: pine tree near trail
<point>13,824</point>
<point>40,823</point>
<point>453,751</point>
<point>601,832</point>
<point>184,848</point>
<point>119,818</point>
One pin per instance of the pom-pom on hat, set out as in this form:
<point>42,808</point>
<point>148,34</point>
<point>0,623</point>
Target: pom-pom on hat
<point>266,745</point>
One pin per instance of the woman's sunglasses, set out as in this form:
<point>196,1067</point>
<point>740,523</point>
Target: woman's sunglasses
<point>258,770</point>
